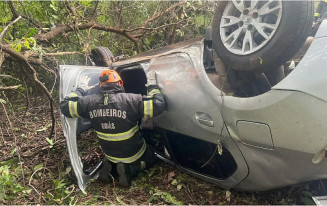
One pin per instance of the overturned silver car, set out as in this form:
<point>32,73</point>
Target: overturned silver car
<point>258,142</point>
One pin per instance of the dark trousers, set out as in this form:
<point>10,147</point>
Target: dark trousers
<point>148,157</point>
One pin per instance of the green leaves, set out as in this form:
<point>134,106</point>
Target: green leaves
<point>86,3</point>
<point>9,188</point>
<point>17,46</point>
<point>31,32</point>
<point>50,141</point>
<point>44,128</point>
<point>37,167</point>
<point>54,5</point>
<point>28,41</point>
<point>61,193</point>
<point>2,101</point>
<point>156,193</point>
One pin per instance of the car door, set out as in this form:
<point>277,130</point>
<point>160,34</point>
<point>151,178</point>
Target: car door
<point>69,79</point>
<point>192,123</point>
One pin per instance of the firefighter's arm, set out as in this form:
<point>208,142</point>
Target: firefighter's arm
<point>77,93</point>
<point>73,107</point>
<point>154,103</point>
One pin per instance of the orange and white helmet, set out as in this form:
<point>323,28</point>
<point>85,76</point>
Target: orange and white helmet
<point>110,76</point>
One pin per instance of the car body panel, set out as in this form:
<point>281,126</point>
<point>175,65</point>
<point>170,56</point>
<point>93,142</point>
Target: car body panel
<point>146,56</point>
<point>310,75</point>
<point>287,124</point>
<point>322,31</point>
<point>296,140</point>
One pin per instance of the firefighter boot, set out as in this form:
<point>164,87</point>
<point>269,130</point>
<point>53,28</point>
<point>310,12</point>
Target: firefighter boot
<point>124,173</point>
<point>105,171</point>
<point>127,171</point>
<point>136,168</point>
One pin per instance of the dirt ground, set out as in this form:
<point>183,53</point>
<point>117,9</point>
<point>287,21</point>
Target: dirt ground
<point>36,170</point>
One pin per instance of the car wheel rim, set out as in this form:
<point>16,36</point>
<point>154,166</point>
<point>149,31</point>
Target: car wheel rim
<point>247,26</point>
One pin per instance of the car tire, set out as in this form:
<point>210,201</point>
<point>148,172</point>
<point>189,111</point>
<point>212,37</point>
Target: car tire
<point>288,30</point>
<point>102,56</point>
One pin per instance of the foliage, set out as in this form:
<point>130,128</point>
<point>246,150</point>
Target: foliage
<point>61,193</point>
<point>125,27</point>
<point>10,188</point>
<point>44,16</point>
<point>156,193</point>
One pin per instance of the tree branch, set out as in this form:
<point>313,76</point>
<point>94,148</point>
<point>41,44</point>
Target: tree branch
<point>46,37</point>
<point>15,14</point>
<point>8,76</point>
<point>120,15</point>
<point>2,58</point>
<point>60,29</point>
<point>6,28</point>
<point>153,29</point>
<point>28,18</point>
<point>17,55</point>
<point>10,88</point>
<point>62,53</point>
<point>13,10</point>
<point>95,8</point>
<point>71,9</point>
<point>24,59</point>
<point>154,16</point>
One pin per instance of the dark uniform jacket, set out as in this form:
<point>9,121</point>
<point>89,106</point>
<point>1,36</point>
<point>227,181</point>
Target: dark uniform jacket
<point>114,116</point>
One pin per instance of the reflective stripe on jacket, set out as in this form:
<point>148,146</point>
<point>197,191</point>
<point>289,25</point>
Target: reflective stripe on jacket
<point>115,116</point>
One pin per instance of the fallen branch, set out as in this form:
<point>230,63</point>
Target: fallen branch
<point>31,178</point>
<point>44,148</point>
<point>15,14</point>
<point>22,58</point>
<point>53,120</point>
<point>154,29</point>
<point>2,59</point>
<point>13,9</point>
<point>10,88</point>
<point>15,143</point>
<point>62,53</point>
<point>60,29</point>
<point>8,76</point>
<point>3,139</point>
<point>89,40</point>
<point>6,28</point>
<point>45,67</point>
<point>27,61</point>
<point>18,56</point>
<point>154,16</point>
<point>71,9</point>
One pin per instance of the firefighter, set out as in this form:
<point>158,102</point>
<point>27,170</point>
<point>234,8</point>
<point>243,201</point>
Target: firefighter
<point>321,12</point>
<point>114,115</point>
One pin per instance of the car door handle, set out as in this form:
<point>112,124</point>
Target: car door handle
<point>204,119</point>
